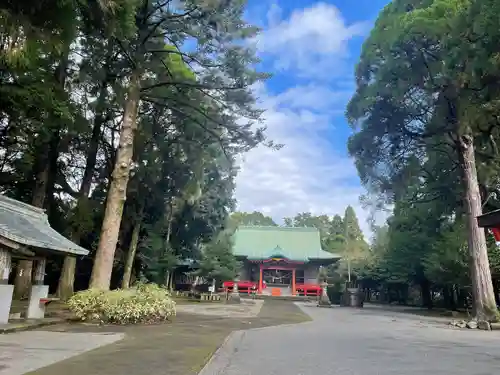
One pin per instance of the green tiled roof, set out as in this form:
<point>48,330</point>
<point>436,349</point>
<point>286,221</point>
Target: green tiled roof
<point>297,244</point>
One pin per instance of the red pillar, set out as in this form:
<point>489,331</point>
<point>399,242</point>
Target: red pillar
<point>293,282</point>
<point>260,278</point>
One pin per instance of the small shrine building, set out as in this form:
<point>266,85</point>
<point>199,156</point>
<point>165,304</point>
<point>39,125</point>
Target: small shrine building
<point>25,233</point>
<point>280,260</point>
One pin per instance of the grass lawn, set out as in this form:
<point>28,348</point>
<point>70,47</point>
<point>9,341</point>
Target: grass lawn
<point>181,347</point>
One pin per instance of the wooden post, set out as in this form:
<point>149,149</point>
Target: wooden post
<point>260,278</point>
<point>5,266</point>
<point>293,282</point>
<point>39,276</point>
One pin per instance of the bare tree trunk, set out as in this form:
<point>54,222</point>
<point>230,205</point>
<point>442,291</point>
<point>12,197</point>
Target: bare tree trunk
<point>170,217</point>
<point>127,273</point>
<point>171,281</point>
<point>65,287</point>
<point>103,263</point>
<point>482,286</point>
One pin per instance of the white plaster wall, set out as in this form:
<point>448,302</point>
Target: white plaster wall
<point>244,273</point>
<point>311,274</point>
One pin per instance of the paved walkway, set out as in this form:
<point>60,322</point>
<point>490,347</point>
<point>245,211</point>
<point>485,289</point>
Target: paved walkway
<point>341,341</point>
<point>181,347</point>
<point>27,351</point>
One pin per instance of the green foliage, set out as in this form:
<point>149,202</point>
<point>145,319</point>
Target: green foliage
<point>424,100</point>
<point>447,262</point>
<point>144,303</point>
<point>218,262</point>
<point>250,218</point>
<point>67,67</point>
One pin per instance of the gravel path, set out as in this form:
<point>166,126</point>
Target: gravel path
<point>358,342</point>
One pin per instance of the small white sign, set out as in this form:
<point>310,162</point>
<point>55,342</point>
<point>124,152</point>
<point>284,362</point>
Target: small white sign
<point>211,288</point>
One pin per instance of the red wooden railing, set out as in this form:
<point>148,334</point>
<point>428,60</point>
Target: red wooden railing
<point>308,289</point>
<point>243,286</point>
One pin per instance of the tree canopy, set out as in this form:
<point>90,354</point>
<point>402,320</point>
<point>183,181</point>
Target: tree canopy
<point>425,141</point>
<point>123,120</point>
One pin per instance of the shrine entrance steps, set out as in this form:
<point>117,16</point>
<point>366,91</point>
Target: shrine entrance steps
<point>285,298</point>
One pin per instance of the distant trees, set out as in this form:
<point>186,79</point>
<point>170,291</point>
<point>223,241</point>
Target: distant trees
<point>251,218</point>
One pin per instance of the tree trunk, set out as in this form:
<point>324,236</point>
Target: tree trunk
<point>425,289</point>
<point>65,287</point>
<point>496,290</point>
<point>482,286</point>
<point>167,279</point>
<point>127,273</point>
<point>195,284</point>
<point>24,270</point>
<point>171,281</point>
<point>103,263</point>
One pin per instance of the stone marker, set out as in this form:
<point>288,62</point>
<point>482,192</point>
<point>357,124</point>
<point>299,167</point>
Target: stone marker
<point>324,301</point>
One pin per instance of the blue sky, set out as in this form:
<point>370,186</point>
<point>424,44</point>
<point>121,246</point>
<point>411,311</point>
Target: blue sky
<point>311,48</point>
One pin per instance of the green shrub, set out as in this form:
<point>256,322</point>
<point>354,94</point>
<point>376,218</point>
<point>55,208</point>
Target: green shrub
<point>144,303</point>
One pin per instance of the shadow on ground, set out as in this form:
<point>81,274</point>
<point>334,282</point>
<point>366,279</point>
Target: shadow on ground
<point>178,348</point>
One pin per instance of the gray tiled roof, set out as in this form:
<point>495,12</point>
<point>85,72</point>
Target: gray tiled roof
<point>28,225</point>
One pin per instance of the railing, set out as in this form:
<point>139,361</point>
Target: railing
<point>308,289</point>
<point>248,287</point>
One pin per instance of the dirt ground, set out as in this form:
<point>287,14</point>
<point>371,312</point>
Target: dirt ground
<point>178,348</point>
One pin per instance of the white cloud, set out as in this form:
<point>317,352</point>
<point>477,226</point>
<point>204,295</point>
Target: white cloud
<point>307,174</point>
<point>312,41</point>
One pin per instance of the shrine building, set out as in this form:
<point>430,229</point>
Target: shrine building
<point>280,260</point>
<point>25,234</point>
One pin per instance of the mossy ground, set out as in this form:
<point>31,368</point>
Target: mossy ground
<point>181,347</point>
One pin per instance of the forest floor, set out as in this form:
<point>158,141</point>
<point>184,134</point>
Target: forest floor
<point>181,347</point>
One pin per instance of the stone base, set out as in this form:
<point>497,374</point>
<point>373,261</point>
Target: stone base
<point>6,292</point>
<point>36,310</point>
<point>327,305</point>
<point>324,300</point>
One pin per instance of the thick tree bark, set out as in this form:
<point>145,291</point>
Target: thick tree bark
<point>65,287</point>
<point>482,286</point>
<point>127,273</point>
<point>103,263</point>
